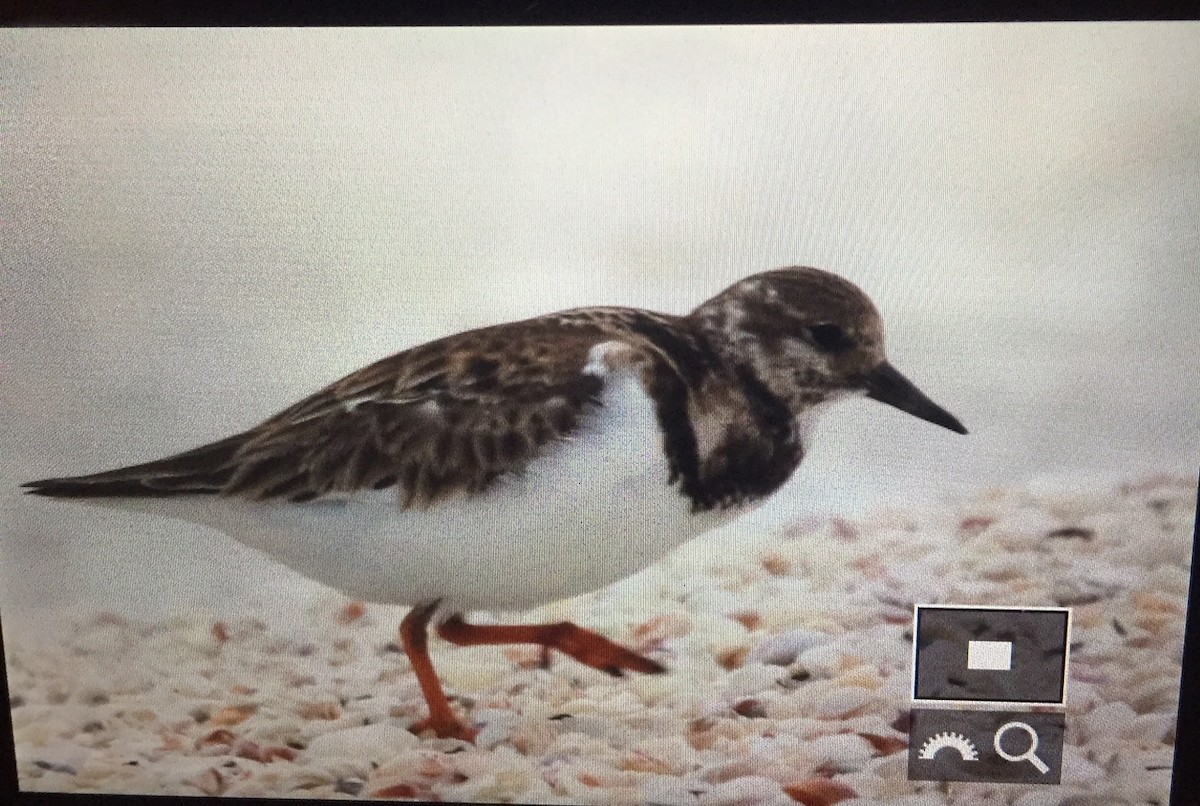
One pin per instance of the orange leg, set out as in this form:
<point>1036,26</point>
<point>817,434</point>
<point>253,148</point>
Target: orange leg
<point>583,645</point>
<point>441,718</point>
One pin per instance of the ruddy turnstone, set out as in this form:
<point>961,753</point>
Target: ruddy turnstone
<point>521,463</point>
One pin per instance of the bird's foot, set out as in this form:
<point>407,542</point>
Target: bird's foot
<point>441,719</point>
<point>583,645</point>
<point>600,653</point>
<point>445,728</point>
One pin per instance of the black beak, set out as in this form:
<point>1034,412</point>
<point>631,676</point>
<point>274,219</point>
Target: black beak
<point>887,385</point>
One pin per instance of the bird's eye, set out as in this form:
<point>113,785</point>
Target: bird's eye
<point>830,338</point>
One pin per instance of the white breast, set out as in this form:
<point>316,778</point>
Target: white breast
<point>592,510</point>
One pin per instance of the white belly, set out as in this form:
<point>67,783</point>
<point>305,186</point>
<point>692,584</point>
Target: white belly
<point>592,511</point>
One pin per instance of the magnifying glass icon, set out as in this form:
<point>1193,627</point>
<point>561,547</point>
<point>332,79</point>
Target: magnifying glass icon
<point>1029,755</point>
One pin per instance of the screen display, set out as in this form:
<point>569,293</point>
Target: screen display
<point>713,415</point>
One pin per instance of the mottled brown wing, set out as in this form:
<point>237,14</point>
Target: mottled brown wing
<point>445,418</point>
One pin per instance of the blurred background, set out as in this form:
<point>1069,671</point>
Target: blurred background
<point>200,227</point>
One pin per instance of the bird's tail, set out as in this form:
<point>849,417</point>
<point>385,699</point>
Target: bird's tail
<point>201,471</point>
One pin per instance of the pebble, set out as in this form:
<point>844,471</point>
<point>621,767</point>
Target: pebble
<point>715,601</point>
<point>751,679</point>
<point>1040,798</point>
<point>497,726</point>
<point>668,790</point>
<point>820,792</point>
<point>51,766</point>
<point>1025,528</point>
<point>720,635</point>
<point>654,689</point>
<point>587,724</point>
<point>842,702</point>
<point>845,751</point>
<point>106,638</point>
<point>376,743</point>
<point>1078,770</point>
<point>1106,720</point>
<point>60,757</point>
<point>750,789</point>
<point>829,659</point>
<point>784,648</point>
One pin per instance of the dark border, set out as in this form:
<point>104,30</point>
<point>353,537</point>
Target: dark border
<point>571,12</point>
<point>85,13</point>
<point>1185,773</point>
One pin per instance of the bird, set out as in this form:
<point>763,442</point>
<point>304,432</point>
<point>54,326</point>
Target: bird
<point>526,462</point>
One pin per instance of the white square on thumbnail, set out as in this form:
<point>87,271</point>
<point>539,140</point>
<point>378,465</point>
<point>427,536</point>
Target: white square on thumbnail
<point>989,655</point>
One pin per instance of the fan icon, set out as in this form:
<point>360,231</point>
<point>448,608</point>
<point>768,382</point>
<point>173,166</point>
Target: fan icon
<point>956,741</point>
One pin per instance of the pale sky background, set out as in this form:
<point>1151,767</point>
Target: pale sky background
<point>200,227</point>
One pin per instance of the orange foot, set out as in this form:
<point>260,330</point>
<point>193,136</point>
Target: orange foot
<point>441,719</point>
<point>583,645</point>
<point>445,729</point>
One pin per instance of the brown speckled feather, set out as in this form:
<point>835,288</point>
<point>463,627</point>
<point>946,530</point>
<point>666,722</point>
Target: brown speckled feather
<point>444,418</point>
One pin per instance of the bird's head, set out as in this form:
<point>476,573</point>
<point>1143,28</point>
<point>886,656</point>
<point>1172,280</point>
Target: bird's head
<point>812,337</point>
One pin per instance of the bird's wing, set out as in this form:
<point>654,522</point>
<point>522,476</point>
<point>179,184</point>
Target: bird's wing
<point>441,419</point>
<point>434,421</point>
